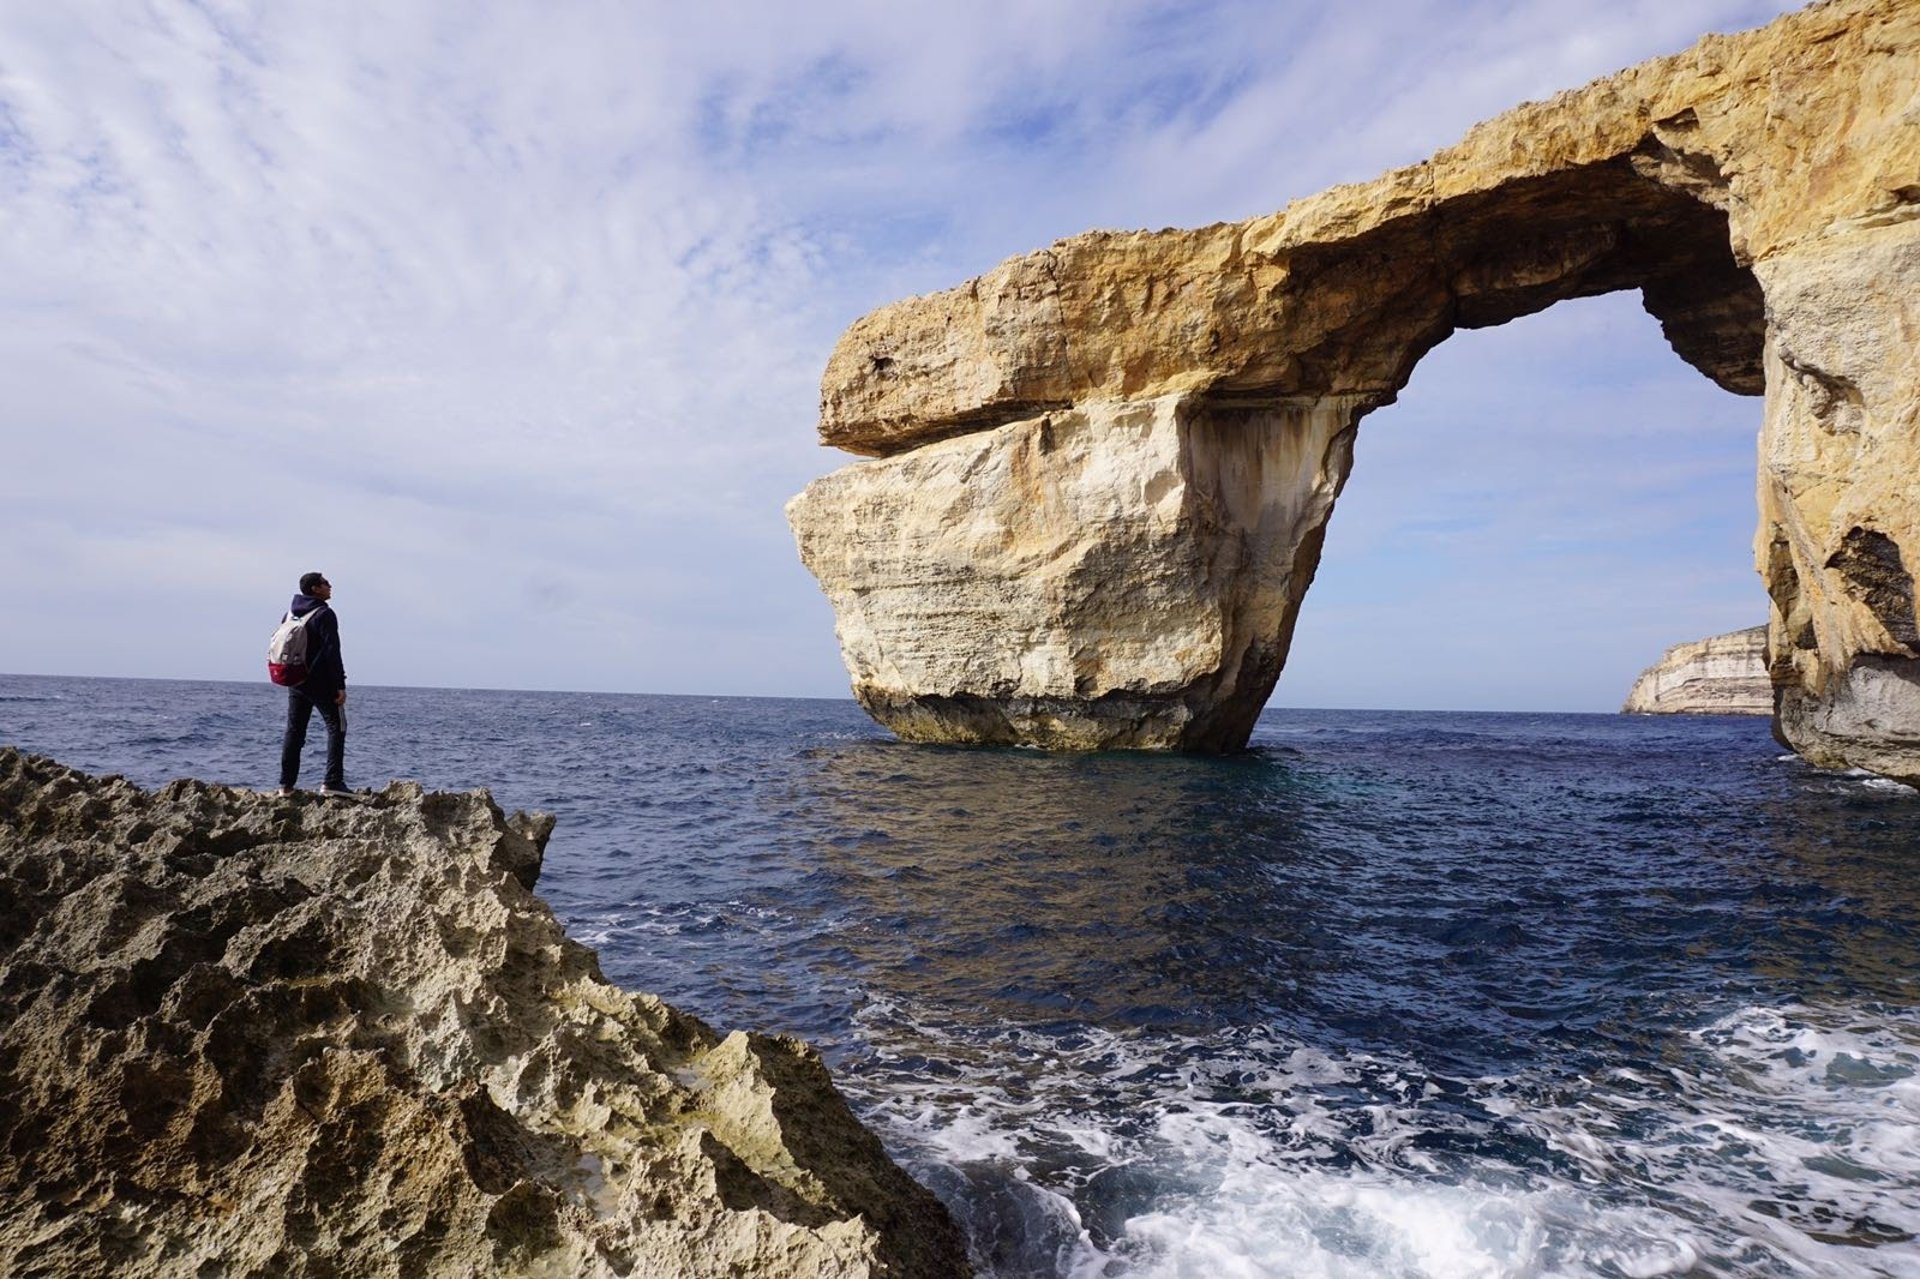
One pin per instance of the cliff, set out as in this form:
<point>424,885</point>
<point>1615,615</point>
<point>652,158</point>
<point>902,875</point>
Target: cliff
<point>1102,471</point>
<point>1719,675</point>
<point>249,1035</point>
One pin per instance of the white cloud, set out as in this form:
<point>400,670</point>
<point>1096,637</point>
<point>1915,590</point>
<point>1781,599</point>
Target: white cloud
<point>520,308</point>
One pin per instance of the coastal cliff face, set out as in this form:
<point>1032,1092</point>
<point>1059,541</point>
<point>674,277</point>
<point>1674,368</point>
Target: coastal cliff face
<point>1719,675</point>
<point>247,1035</point>
<point>1762,191</point>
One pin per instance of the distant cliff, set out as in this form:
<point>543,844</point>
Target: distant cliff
<point>242,1034</point>
<point>1719,675</point>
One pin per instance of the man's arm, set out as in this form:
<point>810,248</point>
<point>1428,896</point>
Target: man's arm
<point>339,663</point>
<point>326,662</point>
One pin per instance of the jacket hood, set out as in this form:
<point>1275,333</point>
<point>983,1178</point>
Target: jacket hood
<point>303,604</point>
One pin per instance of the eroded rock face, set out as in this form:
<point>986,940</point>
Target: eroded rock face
<point>1123,575</point>
<point>1839,539</point>
<point>1762,191</point>
<point>1719,675</point>
<point>245,1035</point>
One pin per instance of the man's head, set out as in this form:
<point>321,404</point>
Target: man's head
<point>315,584</point>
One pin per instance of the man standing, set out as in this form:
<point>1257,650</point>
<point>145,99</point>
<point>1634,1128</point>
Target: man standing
<point>324,690</point>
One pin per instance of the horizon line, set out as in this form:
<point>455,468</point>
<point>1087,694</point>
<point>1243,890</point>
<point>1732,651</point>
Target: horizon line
<point>794,697</point>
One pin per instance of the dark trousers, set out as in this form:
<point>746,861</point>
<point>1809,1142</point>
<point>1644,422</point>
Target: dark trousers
<point>300,709</point>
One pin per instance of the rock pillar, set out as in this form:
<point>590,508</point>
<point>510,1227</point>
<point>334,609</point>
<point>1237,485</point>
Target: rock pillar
<point>1839,539</point>
<point>1118,574</point>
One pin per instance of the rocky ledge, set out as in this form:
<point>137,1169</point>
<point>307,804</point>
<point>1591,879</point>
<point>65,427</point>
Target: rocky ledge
<point>1719,675</point>
<point>244,1035</point>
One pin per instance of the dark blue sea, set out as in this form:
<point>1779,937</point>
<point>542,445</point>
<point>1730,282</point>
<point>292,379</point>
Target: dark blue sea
<point>1394,994</point>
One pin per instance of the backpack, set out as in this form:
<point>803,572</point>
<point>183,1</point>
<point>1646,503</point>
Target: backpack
<point>287,650</point>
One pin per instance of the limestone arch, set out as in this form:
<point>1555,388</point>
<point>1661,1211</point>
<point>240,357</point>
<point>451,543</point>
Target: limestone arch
<point>1103,469</point>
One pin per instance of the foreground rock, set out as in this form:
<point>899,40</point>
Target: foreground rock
<point>1719,675</point>
<point>1154,425</point>
<point>244,1035</point>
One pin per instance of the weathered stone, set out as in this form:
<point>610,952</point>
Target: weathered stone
<point>1719,675</point>
<point>1761,190</point>
<point>1840,493</point>
<point>247,1035</point>
<point>1179,525</point>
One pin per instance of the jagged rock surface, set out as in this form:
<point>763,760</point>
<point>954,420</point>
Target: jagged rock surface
<point>1761,190</point>
<point>1719,675</point>
<point>246,1035</point>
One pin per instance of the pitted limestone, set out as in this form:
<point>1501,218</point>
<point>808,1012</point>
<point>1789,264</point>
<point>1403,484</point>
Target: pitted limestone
<point>246,1035</point>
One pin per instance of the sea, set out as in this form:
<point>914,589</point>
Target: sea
<point>1390,994</point>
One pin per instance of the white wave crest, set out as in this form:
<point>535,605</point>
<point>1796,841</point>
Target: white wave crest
<point>1776,1142</point>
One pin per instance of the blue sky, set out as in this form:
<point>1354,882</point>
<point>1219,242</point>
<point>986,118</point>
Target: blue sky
<point>510,317</point>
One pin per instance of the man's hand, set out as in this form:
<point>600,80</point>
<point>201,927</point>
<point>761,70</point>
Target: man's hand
<point>340,698</point>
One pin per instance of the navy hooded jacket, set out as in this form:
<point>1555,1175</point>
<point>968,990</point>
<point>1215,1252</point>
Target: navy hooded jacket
<point>326,673</point>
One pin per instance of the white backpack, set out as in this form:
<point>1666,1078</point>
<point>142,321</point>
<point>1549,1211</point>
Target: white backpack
<point>287,650</point>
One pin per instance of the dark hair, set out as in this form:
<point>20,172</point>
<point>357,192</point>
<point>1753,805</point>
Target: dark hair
<point>310,580</point>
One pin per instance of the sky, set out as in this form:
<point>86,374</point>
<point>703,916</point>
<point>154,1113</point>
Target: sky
<point>509,316</point>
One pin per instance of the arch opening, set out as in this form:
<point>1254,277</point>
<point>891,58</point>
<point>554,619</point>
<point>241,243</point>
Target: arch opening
<point>1549,505</point>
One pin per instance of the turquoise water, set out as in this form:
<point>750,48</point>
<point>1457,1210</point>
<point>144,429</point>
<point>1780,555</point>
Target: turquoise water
<point>1392,994</point>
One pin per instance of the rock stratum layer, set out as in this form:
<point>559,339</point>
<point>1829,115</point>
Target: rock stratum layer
<point>1103,470</point>
<point>245,1035</point>
<point>1719,675</point>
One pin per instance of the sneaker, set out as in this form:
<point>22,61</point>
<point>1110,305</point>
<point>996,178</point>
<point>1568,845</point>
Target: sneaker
<point>335,792</point>
<point>285,792</point>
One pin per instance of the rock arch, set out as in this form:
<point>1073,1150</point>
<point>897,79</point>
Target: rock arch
<point>1103,471</point>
